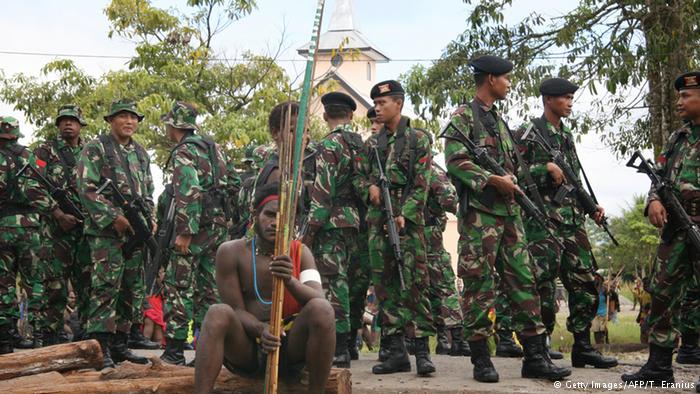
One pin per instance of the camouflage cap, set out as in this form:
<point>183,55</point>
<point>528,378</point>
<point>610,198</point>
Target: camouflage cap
<point>250,152</point>
<point>123,105</point>
<point>182,116</point>
<point>9,128</point>
<point>71,111</point>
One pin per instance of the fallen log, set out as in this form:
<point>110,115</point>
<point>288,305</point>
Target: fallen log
<point>63,357</point>
<point>42,379</point>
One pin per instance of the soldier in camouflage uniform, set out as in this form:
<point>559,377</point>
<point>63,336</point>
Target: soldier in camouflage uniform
<point>333,218</point>
<point>117,280</point>
<point>688,323</point>
<point>677,265</point>
<point>406,160</point>
<point>68,251</point>
<point>575,265</point>
<point>492,241</point>
<point>447,313</point>
<point>506,346</point>
<point>199,184</point>
<point>21,202</point>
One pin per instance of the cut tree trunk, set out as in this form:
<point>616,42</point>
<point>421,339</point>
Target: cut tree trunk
<point>64,357</point>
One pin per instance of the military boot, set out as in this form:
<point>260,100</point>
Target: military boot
<point>37,339</point>
<point>506,345</point>
<point>484,371</point>
<point>657,368</point>
<point>537,364</point>
<point>120,350</point>
<point>138,341</point>
<point>443,345</point>
<point>352,346</point>
<point>460,347</point>
<point>104,338</point>
<point>174,351</point>
<point>688,352</point>
<point>397,360</point>
<point>583,353</point>
<point>410,346</point>
<point>553,354</point>
<point>342,355</point>
<point>424,366</point>
<point>6,341</point>
<point>383,349</point>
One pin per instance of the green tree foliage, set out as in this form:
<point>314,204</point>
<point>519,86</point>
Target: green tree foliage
<point>626,53</point>
<point>174,60</point>
<point>637,237</point>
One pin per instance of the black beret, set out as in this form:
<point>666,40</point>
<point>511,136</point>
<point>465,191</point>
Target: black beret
<point>557,87</point>
<point>690,80</point>
<point>386,88</point>
<point>489,64</point>
<point>371,113</point>
<point>339,99</point>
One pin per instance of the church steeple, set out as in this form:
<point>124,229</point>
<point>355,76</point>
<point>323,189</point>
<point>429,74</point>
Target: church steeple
<point>343,18</point>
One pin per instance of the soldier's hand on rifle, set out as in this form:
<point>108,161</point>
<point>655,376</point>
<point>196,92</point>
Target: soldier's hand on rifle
<point>65,221</point>
<point>268,341</point>
<point>400,223</point>
<point>657,213</point>
<point>375,195</point>
<point>599,215</point>
<point>556,173</point>
<point>281,267</point>
<point>122,225</point>
<point>505,185</point>
<point>182,243</point>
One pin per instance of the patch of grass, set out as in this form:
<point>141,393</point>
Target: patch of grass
<point>625,330</point>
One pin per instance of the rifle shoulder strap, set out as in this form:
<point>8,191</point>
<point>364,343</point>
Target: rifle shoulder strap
<point>111,153</point>
<point>530,184</point>
<point>66,159</point>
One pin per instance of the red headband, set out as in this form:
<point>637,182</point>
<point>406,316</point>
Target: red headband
<point>272,197</point>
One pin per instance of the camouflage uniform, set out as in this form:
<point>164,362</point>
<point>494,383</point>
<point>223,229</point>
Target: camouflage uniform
<point>199,213</point>
<point>407,309</point>
<point>442,198</point>
<point>676,268</point>
<point>359,274</point>
<point>21,201</point>
<point>117,282</point>
<point>333,217</point>
<point>69,252</point>
<point>575,265</point>
<point>492,241</point>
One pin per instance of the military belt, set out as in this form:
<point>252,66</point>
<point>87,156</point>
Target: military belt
<point>692,207</point>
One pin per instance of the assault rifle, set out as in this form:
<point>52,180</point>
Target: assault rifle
<point>135,212</point>
<point>57,193</point>
<point>483,159</point>
<point>669,200</point>
<point>393,231</point>
<point>164,239</point>
<point>587,201</point>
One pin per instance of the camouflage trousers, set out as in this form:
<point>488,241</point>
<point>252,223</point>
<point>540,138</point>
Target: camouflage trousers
<point>18,255</point>
<point>333,252</point>
<point>444,300</point>
<point>68,260</point>
<point>407,309</point>
<point>688,320</point>
<point>675,275</point>
<point>190,285</point>
<point>359,274</point>
<point>117,287</point>
<point>504,320</point>
<point>493,247</point>
<point>575,267</point>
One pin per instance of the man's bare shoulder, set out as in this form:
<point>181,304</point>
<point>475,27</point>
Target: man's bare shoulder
<point>230,252</point>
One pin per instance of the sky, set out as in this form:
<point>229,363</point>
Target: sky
<point>405,30</point>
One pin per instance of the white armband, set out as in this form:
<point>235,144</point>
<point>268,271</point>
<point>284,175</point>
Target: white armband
<point>310,275</point>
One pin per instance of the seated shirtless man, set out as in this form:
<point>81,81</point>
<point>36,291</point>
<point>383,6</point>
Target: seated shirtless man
<point>236,333</point>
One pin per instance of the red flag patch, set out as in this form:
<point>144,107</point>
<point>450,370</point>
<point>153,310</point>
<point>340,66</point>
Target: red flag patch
<point>40,163</point>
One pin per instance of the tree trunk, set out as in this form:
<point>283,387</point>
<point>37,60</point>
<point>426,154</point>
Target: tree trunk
<point>64,357</point>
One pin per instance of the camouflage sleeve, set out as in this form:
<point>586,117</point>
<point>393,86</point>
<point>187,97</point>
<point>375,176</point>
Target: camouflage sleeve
<point>444,190</point>
<point>414,204</point>
<point>529,151</point>
<point>37,195</point>
<point>323,188</point>
<point>364,178</point>
<point>233,186</point>
<point>150,189</point>
<point>101,210</point>
<point>663,164</point>
<point>187,191</point>
<point>43,164</point>
<point>460,163</point>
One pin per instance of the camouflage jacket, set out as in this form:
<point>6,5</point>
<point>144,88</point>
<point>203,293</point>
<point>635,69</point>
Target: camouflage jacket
<point>407,200</point>
<point>442,198</point>
<point>536,159</point>
<point>262,153</point>
<point>21,198</point>
<point>333,194</point>
<point>463,168</point>
<point>94,169</point>
<point>57,161</point>
<point>200,191</point>
<point>680,164</point>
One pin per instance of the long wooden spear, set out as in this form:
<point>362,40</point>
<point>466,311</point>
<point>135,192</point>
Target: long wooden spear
<point>290,181</point>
